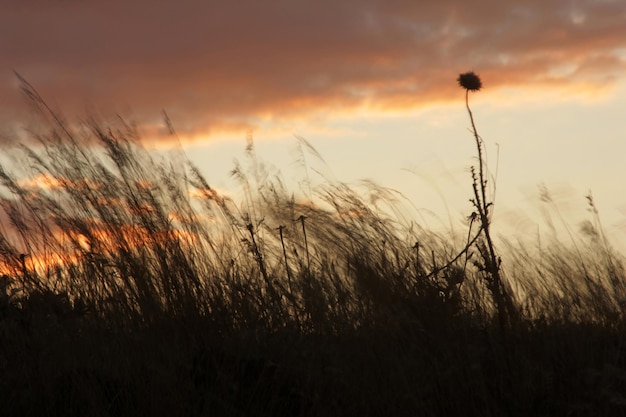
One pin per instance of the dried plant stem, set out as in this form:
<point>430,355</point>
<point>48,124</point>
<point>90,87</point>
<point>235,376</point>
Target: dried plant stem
<point>306,243</point>
<point>287,269</point>
<point>491,259</point>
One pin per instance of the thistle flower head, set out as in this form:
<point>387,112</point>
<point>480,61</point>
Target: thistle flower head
<point>470,81</point>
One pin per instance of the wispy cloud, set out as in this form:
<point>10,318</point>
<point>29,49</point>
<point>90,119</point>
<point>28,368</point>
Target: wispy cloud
<point>217,65</point>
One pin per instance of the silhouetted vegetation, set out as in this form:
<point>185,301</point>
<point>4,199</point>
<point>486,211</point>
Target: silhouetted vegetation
<point>131,287</point>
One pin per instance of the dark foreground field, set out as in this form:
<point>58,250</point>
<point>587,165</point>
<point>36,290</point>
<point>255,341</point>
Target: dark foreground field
<point>133,288</point>
<point>70,367</point>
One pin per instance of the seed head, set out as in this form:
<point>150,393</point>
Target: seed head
<point>470,81</point>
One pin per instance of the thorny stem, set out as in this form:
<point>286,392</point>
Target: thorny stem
<point>492,264</point>
<point>481,203</point>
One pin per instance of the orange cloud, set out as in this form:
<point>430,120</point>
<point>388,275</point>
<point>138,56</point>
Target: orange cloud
<point>218,66</point>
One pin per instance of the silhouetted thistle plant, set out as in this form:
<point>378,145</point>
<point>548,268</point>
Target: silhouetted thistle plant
<point>470,82</point>
<point>490,260</point>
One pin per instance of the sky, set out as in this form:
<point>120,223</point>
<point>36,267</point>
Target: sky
<point>371,84</point>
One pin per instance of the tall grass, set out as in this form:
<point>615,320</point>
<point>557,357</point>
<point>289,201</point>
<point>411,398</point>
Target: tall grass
<point>132,287</point>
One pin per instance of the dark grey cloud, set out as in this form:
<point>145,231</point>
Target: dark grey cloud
<point>223,64</point>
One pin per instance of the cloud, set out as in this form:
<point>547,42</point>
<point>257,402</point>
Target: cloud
<point>219,65</point>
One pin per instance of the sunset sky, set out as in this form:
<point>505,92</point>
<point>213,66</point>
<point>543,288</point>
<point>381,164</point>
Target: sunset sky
<point>370,84</point>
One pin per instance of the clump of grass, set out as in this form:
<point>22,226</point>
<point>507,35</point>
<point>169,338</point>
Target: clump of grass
<point>577,282</point>
<point>133,287</point>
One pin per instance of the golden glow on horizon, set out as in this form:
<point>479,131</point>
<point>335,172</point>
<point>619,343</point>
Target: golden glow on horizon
<point>319,122</point>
